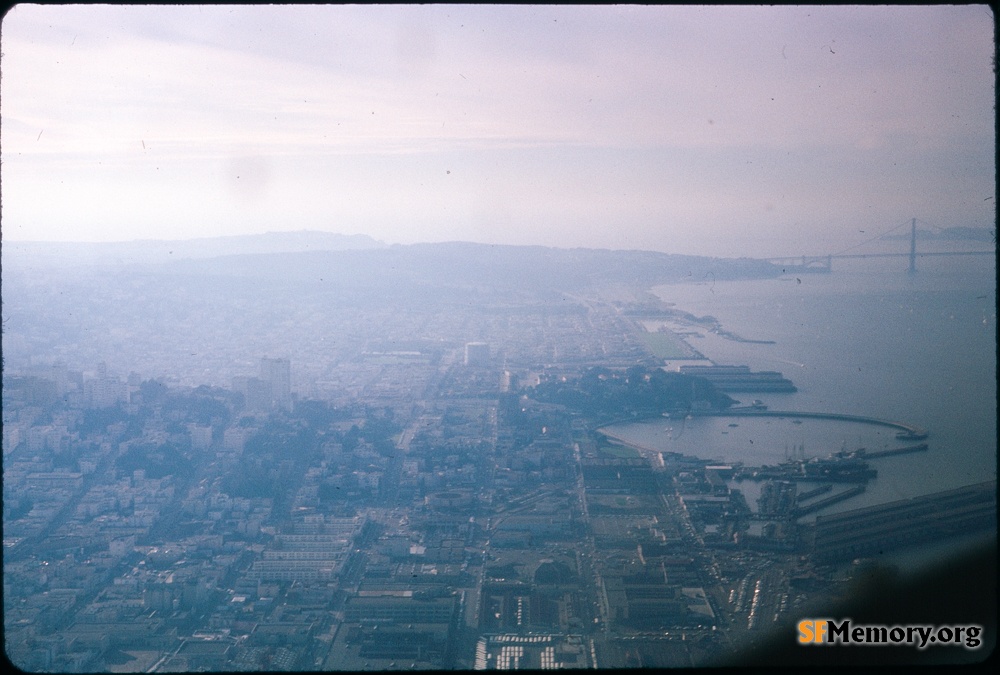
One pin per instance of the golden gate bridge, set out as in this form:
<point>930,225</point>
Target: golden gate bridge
<point>824,263</point>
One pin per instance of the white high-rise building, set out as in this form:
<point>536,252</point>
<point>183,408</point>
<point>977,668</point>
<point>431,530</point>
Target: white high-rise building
<point>105,392</point>
<point>278,374</point>
<point>477,354</point>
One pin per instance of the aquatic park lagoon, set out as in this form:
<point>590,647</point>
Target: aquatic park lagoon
<point>867,339</point>
<point>758,440</point>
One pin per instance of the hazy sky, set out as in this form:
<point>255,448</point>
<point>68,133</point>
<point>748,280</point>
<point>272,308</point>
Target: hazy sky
<point>708,130</point>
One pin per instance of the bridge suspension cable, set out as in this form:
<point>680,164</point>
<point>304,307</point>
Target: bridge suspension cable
<point>877,236</point>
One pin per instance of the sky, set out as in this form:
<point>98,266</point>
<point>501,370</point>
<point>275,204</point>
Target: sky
<point>729,131</point>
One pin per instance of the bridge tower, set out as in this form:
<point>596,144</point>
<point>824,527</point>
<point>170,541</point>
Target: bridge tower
<point>913,247</point>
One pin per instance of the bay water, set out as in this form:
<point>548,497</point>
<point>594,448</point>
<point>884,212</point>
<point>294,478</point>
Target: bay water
<point>866,339</point>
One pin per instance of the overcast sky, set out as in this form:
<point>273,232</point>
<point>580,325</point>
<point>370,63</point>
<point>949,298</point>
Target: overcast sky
<point>708,130</point>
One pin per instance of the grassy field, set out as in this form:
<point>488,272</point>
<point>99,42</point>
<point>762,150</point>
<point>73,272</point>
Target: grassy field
<point>666,345</point>
<point>620,451</point>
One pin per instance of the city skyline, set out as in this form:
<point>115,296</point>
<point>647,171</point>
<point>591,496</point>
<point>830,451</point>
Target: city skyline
<point>702,130</point>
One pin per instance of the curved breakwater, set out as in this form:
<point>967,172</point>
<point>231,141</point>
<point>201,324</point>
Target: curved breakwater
<point>907,431</point>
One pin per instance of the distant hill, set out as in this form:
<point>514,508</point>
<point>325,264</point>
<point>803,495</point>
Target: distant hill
<point>445,275</point>
<point>948,234</point>
<point>160,251</point>
<point>363,267</point>
<point>468,268</point>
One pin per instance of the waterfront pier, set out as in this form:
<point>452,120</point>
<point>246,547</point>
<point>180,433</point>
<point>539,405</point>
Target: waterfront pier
<point>866,531</point>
